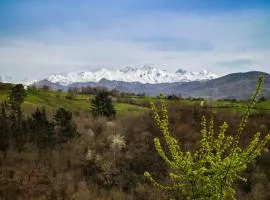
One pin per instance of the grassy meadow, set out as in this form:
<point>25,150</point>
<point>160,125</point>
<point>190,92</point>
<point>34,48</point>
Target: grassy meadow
<point>52,100</point>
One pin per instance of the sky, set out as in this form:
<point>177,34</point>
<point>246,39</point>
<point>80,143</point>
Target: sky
<point>43,37</point>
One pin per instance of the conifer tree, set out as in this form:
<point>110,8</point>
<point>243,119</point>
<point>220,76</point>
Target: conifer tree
<point>41,129</point>
<point>102,105</point>
<point>16,98</point>
<point>4,127</point>
<point>18,126</point>
<point>66,127</point>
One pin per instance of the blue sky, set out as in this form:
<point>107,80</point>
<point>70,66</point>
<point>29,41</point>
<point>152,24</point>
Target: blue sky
<point>38,38</point>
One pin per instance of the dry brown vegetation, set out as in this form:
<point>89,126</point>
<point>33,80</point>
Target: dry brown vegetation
<point>109,158</point>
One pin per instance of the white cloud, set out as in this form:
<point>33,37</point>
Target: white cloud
<point>76,46</point>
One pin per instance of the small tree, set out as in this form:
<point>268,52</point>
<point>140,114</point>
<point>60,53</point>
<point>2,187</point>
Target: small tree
<point>41,129</point>
<point>18,129</point>
<point>262,99</point>
<point>16,98</point>
<point>66,127</point>
<point>102,105</point>
<point>210,171</point>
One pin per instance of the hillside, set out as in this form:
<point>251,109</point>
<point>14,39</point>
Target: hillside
<point>133,105</point>
<point>232,86</point>
<point>52,100</point>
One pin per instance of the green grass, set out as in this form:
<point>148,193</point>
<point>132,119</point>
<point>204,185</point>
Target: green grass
<point>3,95</point>
<point>52,100</point>
<point>123,108</point>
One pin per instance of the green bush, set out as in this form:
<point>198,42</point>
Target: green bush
<point>210,171</point>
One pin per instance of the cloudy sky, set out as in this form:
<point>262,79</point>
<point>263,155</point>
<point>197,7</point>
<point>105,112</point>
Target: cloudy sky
<point>41,37</point>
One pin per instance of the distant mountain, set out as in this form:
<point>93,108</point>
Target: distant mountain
<point>232,86</point>
<point>153,81</point>
<point>145,74</point>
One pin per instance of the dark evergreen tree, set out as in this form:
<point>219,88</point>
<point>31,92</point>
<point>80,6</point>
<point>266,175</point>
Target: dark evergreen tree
<point>65,126</point>
<point>262,99</point>
<point>4,127</point>
<point>102,105</point>
<point>16,97</point>
<point>18,125</point>
<point>41,129</point>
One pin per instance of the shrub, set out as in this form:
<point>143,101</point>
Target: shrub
<point>210,171</point>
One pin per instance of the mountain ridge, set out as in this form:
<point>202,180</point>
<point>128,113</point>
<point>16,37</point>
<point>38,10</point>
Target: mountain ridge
<point>144,74</point>
<point>232,86</point>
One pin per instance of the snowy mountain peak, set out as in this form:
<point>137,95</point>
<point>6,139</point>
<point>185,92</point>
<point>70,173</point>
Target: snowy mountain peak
<point>180,71</point>
<point>143,74</point>
<point>145,68</point>
<point>204,72</point>
<point>128,69</point>
<point>148,68</point>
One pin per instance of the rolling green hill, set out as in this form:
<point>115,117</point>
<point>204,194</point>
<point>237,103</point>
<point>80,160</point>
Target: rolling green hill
<point>52,100</point>
<point>80,103</point>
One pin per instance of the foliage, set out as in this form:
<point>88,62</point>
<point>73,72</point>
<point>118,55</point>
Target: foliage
<point>17,96</point>
<point>174,97</point>
<point>5,86</point>
<point>64,124</point>
<point>16,131</point>
<point>102,105</point>
<point>41,128</point>
<point>103,163</point>
<point>18,127</point>
<point>262,99</point>
<point>4,127</point>
<point>210,171</point>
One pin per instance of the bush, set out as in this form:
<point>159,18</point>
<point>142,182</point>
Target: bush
<point>210,171</point>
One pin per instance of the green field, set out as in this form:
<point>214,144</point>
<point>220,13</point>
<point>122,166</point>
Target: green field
<point>52,100</point>
<point>230,106</point>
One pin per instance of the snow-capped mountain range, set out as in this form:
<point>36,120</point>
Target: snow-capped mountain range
<point>181,83</point>
<point>145,74</point>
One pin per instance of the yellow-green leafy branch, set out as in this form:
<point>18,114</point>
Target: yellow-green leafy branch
<point>210,171</point>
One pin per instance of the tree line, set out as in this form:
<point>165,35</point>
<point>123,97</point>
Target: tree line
<point>16,129</point>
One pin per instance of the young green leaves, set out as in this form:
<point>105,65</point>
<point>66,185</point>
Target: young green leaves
<point>210,171</point>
